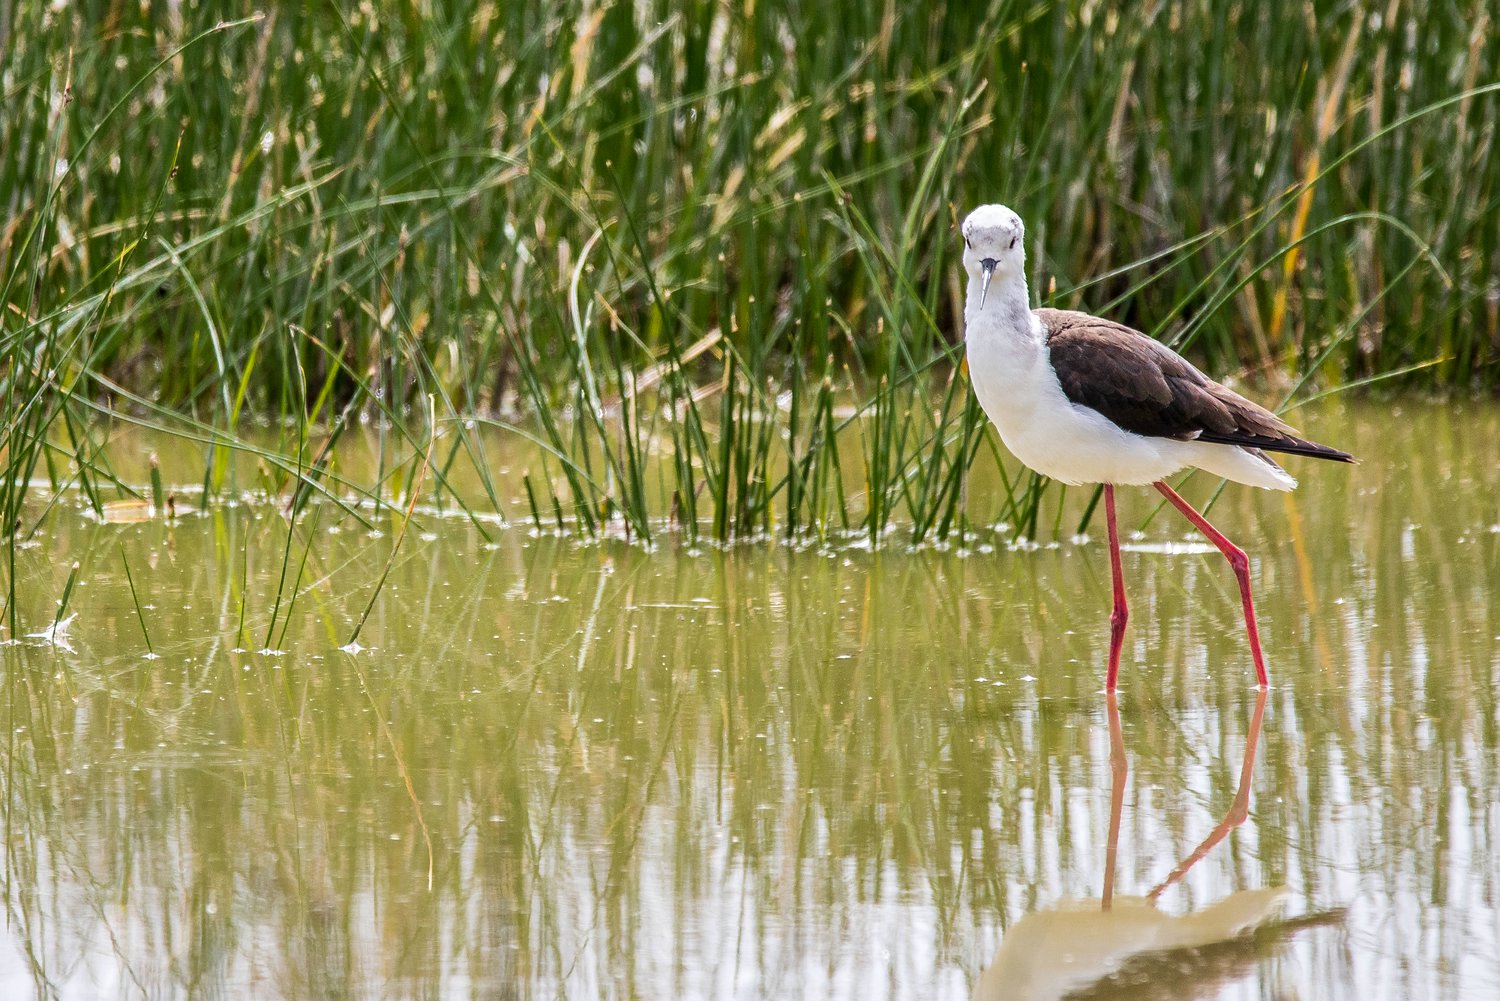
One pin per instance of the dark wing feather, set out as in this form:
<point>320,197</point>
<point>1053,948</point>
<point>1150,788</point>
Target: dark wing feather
<point>1147,388</point>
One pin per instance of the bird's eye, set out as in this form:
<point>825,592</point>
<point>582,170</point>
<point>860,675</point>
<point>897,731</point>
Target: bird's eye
<point>1013,242</point>
<point>967,243</point>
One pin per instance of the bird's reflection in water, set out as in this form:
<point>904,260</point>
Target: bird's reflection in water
<point>1123,946</point>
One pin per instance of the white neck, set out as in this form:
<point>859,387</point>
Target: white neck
<point>1007,351</point>
<point>1006,309</point>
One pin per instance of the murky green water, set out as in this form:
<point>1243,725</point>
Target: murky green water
<point>561,770</point>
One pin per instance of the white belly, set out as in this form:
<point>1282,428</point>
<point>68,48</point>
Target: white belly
<point>1074,444</point>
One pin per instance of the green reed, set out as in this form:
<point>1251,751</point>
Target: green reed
<point>135,600</point>
<point>704,263</point>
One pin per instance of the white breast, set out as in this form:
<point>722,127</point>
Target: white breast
<point>1013,378</point>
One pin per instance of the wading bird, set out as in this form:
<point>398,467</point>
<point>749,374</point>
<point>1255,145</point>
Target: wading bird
<point>1084,400</point>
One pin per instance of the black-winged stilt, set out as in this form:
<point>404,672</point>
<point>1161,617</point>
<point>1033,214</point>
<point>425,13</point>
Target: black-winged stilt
<point>1085,400</point>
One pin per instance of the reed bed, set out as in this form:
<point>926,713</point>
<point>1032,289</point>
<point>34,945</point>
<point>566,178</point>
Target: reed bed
<point>703,256</point>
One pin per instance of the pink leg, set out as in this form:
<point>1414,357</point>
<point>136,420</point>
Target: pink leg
<point>1238,560</point>
<point>1119,770</point>
<point>1120,614</point>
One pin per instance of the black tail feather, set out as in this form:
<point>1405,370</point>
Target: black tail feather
<point>1284,443</point>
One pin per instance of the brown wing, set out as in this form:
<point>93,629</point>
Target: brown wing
<point>1147,388</point>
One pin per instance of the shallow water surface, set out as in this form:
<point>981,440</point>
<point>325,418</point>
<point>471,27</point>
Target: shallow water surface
<point>566,770</point>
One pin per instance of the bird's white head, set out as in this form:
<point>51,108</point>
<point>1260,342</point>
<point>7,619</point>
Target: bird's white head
<point>994,244</point>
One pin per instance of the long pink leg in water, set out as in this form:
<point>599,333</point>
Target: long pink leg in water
<point>1237,559</point>
<point>1120,614</point>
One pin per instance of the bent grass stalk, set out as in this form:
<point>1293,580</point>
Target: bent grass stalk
<point>292,504</point>
<point>140,615</point>
<point>411,504</point>
<point>62,604</point>
<point>286,620</point>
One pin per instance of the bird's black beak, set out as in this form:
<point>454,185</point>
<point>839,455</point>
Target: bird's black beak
<point>987,265</point>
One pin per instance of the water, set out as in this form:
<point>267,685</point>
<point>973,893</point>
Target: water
<point>566,770</point>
